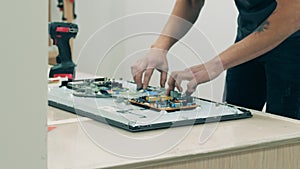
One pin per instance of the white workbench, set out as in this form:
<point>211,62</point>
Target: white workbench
<point>261,142</point>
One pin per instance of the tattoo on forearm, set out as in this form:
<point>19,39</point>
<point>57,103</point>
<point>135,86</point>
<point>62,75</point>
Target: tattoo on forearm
<point>264,26</point>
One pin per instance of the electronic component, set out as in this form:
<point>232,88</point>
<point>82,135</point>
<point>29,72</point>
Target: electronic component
<point>171,103</point>
<point>98,87</point>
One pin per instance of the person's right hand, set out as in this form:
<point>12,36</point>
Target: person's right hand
<point>154,59</point>
<point>195,75</point>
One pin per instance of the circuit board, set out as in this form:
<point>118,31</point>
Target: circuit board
<point>151,98</point>
<point>174,102</point>
<point>105,88</point>
<point>97,88</point>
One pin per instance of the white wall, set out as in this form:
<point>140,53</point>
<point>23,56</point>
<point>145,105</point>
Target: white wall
<point>104,54</point>
<point>23,72</point>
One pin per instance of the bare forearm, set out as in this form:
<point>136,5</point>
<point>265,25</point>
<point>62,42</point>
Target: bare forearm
<point>284,21</point>
<point>184,14</point>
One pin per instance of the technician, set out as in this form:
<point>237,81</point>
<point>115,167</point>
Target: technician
<point>263,66</point>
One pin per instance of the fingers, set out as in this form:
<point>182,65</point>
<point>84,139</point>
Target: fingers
<point>147,76</point>
<point>137,71</point>
<point>178,84</point>
<point>138,79</point>
<point>163,78</point>
<point>191,87</point>
<point>171,85</point>
<point>175,81</point>
<point>143,69</point>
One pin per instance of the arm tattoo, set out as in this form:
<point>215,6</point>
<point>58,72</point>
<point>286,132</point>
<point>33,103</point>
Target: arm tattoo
<point>264,26</point>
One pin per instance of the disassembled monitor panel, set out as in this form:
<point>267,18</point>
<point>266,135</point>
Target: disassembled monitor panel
<point>117,103</point>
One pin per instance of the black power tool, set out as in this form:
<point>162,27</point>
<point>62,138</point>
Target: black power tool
<point>61,33</point>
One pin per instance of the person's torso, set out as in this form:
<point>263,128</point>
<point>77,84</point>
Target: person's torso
<point>252,13</point>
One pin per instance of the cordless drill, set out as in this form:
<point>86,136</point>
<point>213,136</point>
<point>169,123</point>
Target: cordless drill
<point>61,33</point>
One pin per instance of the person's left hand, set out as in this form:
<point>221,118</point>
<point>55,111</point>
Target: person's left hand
<point>154,59</point>
<point>195,75</point>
